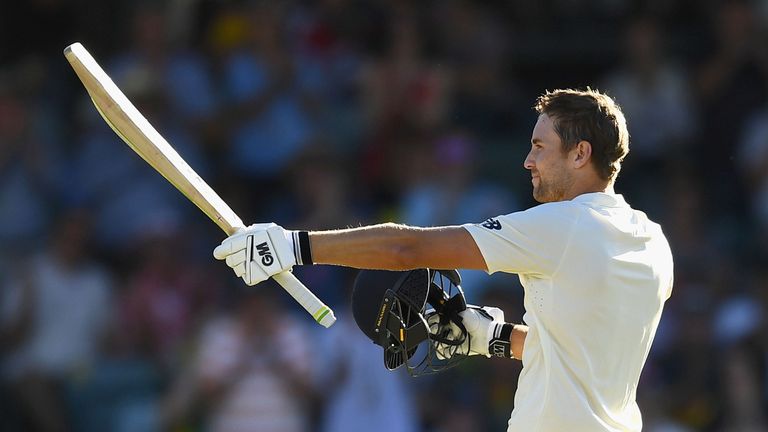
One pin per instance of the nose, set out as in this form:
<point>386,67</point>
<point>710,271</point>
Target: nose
<point>528,162</point>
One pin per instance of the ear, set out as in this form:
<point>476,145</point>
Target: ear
<point>581,154</point>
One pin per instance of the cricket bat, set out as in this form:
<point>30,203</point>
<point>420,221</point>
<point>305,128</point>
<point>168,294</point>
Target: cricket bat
<point>138,133</point>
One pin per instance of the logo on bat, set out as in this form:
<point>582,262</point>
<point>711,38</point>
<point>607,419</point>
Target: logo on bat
<point>265,254</point>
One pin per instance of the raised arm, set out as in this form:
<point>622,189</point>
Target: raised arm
<point>263,250</point>
<point>397,247</point>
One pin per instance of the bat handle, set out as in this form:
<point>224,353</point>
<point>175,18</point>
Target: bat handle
<point>319,311</point>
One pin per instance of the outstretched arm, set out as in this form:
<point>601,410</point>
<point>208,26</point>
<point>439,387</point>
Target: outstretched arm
<point>397,247</point>
<point>263,250</point>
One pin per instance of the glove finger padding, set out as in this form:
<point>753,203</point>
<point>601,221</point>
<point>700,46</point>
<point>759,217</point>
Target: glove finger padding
<point>236,259</point>
<point>230,245</point>
<point>239,269</point>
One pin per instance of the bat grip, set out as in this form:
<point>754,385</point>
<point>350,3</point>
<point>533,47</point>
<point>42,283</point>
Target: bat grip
<point>319,311</point>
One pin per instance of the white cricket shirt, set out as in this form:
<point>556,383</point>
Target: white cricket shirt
<point>596,275</point>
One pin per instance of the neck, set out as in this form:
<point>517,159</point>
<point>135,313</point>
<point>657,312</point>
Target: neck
<point>597,185</point>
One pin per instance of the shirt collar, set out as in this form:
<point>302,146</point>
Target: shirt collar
<point>602,199</point>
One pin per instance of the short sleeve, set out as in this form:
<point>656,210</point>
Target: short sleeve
<point>530,242</point>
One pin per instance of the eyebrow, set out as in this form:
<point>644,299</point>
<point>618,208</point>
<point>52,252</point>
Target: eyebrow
<point>536,141</point>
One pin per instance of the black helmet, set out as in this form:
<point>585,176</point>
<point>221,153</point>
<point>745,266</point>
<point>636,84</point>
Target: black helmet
<point>390,307</point>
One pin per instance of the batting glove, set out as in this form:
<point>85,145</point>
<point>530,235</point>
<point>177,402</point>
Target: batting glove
<point>486,333</point>
<point>261,251</point>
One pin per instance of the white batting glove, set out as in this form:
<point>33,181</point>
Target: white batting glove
<point>487,333</point>
<point>260,251</point>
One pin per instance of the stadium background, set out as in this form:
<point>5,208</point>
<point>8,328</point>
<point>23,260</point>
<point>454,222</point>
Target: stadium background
<point>334,113</point>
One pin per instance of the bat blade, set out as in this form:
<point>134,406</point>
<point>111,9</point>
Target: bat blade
<point>128,123</point>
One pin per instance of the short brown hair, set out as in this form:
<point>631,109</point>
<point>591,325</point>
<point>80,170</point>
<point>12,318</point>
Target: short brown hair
<point>588,115</point>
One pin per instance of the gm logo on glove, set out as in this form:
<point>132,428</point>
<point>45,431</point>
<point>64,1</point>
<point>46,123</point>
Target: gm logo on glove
<point>265,254</point>
<point>258,252</point>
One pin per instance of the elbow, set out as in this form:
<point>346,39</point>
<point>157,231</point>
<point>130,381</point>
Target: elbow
<point>404,249</point>
<point>402,258</point>
<point>408,256</point>
<point>395,250</point>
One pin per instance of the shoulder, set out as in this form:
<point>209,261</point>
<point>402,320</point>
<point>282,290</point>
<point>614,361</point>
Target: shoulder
<point>544,221</point>
<point>548,216</point>
<point>559,207</point>
<point>527,242</point>
<point>561,211</point>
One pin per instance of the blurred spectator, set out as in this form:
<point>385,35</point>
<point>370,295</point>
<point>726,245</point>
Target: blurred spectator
<point>654,96</point>
<point>684,204</point>
<point>321,192</point>
<point>743,391</point>
<point>180,75</point>
<point>68,317</point>
<point>752,162</point>
<point>166,297</point>
<point>271,97</point>
<point>359,392</point>
<point>27,168</point>
<point>401,85</point>
<point>485,98</point>
<point>321,197</point>
<point>120,393</point>
<point>730,88</point>
<point>737,319</point>
<point>327,42</point>
<point>405,95</point>
<point>449,190</point>
<point>395,160</point>
<point>689,380</point>
<point>253,367</point>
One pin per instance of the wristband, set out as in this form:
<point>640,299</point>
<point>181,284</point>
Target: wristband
<point>500,345</point>
<point>301,249</point>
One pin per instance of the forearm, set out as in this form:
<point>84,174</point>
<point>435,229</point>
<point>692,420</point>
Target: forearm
<point>396,247</point>
<point>517,340</point>
<point>378,246</point>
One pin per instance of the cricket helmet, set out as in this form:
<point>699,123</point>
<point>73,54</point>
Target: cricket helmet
<point>391,308</point>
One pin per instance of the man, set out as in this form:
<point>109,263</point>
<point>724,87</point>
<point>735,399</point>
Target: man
<point>60,316</point>
<point>250,388</point>
<point>596,272</point>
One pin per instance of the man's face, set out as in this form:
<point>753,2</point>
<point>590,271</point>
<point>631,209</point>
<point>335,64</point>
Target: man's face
<point>547,162</point>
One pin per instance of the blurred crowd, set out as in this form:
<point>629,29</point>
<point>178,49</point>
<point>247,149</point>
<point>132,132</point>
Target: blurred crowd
<point>335,113</point>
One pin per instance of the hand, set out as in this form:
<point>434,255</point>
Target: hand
<point>484,333</point>
<point>258,252</point>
